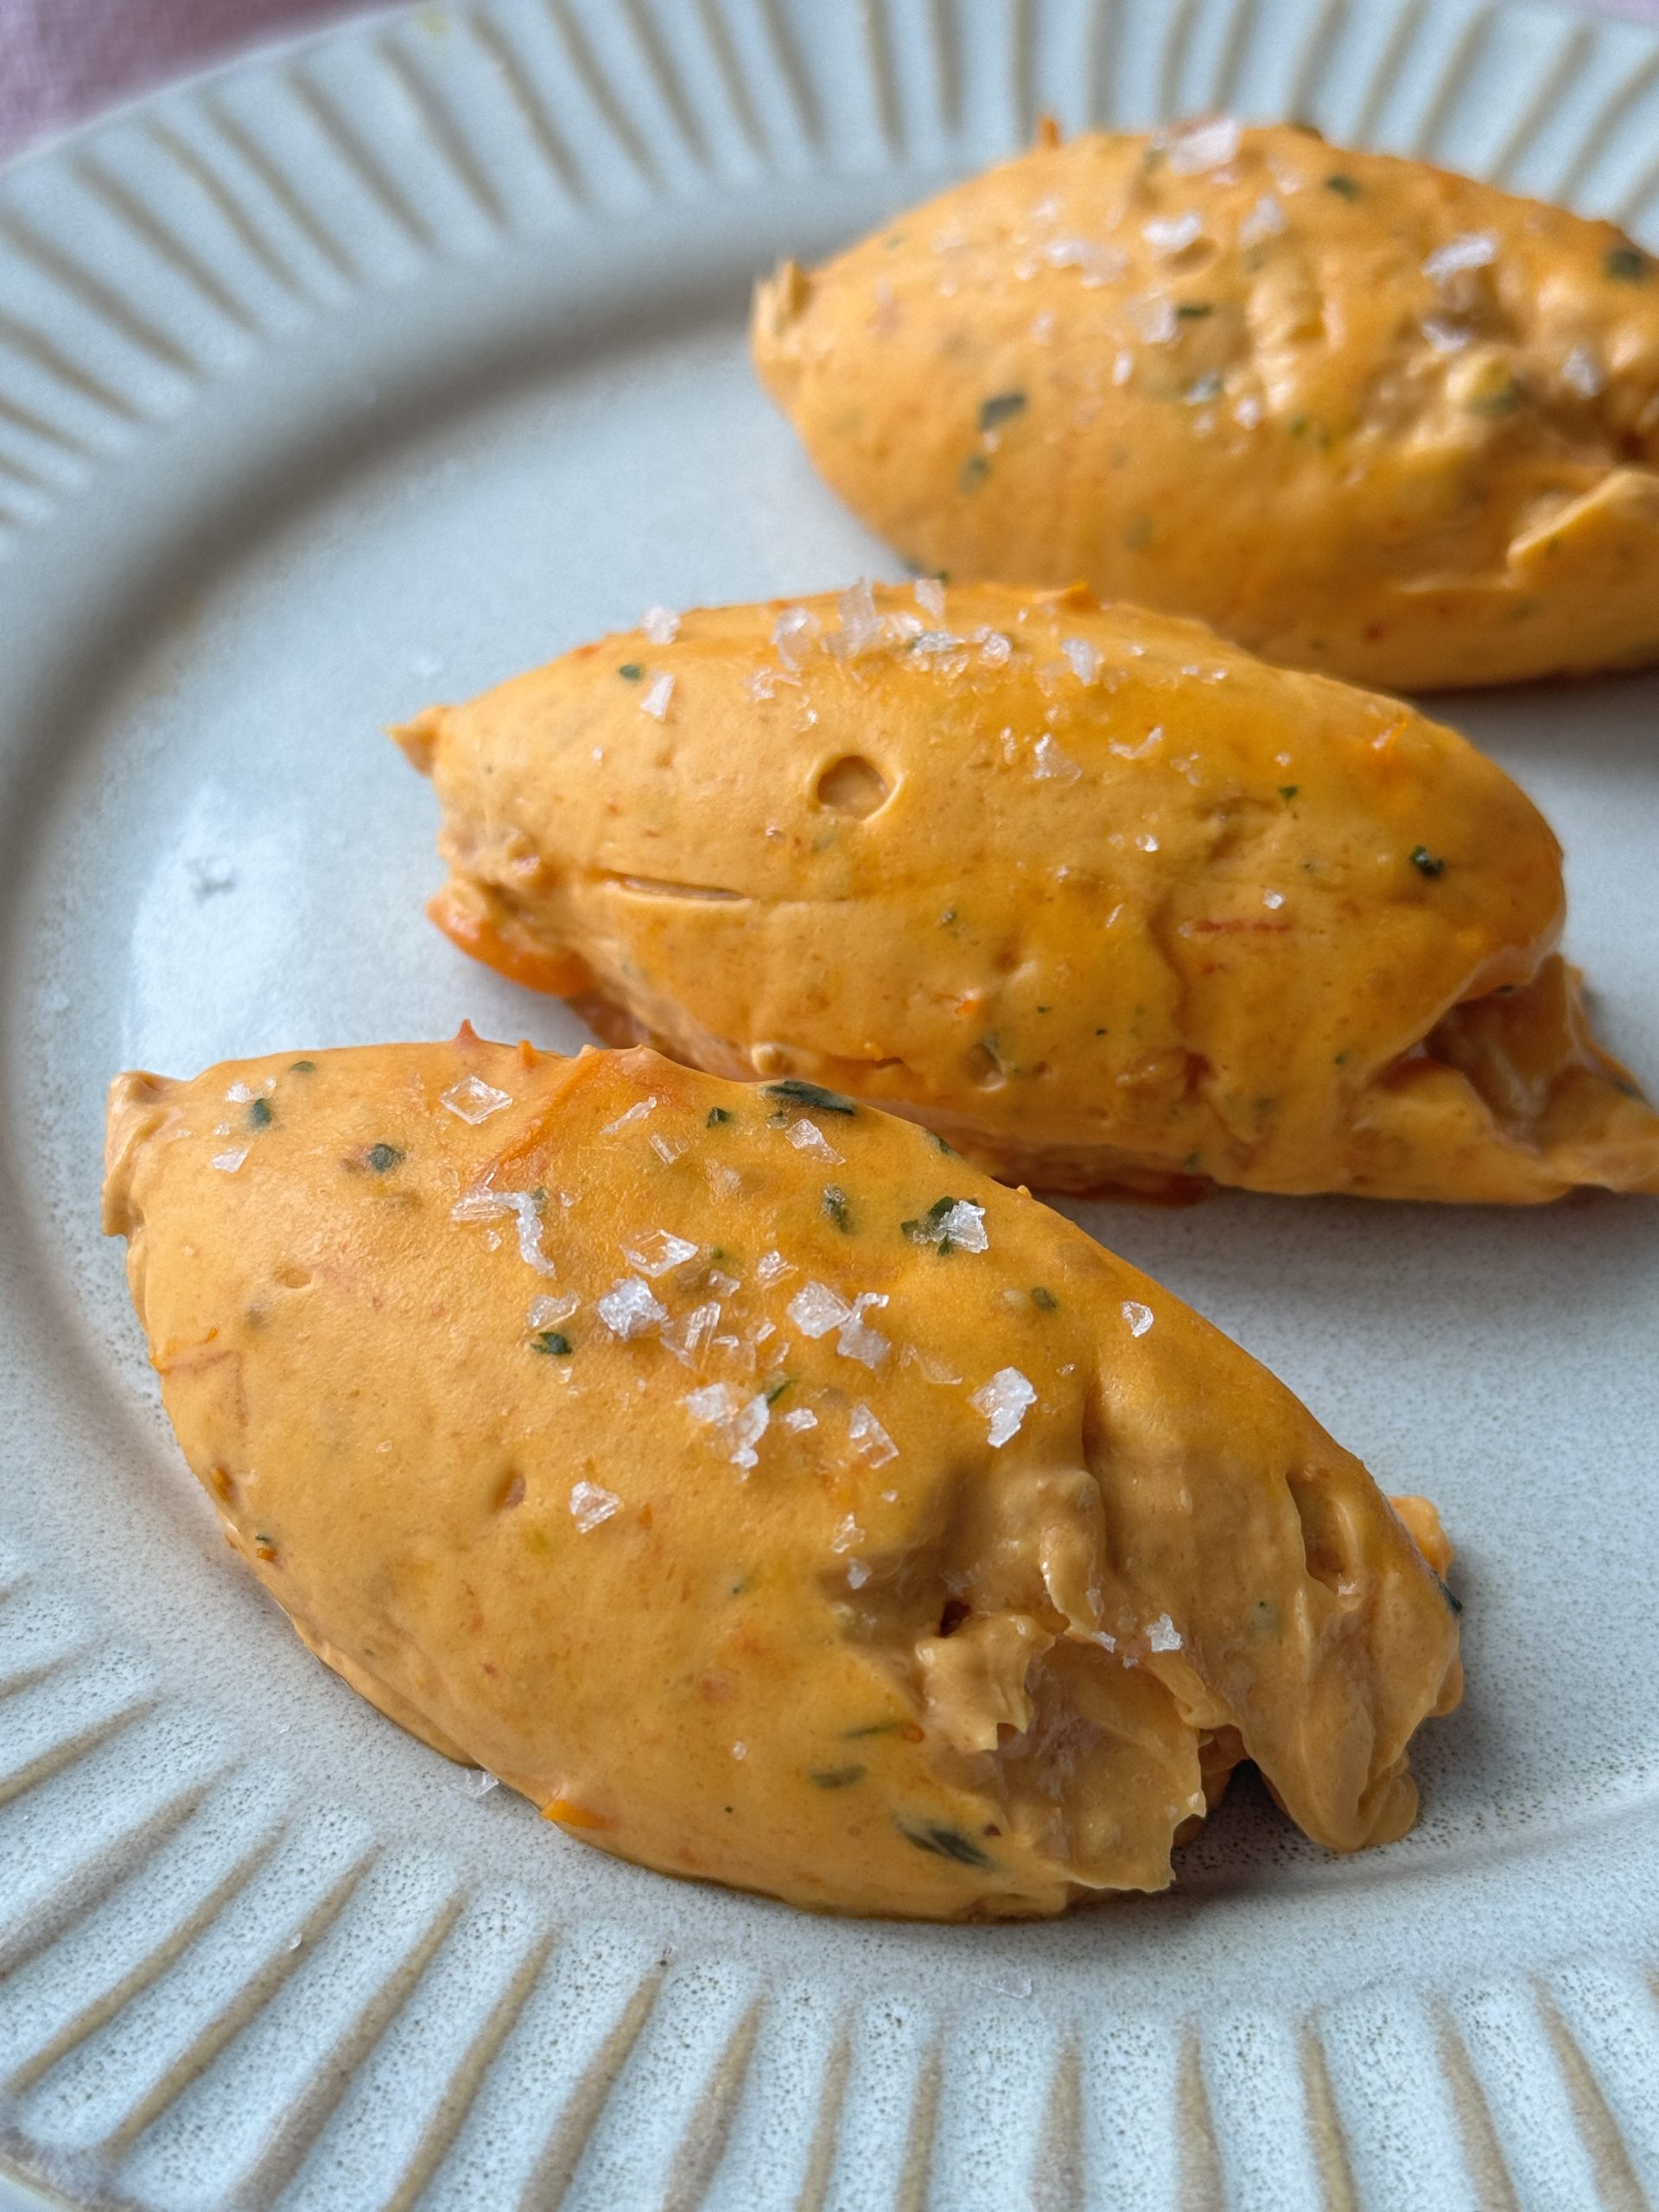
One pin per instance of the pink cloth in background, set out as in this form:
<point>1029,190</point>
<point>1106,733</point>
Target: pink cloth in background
<point>62,60</point>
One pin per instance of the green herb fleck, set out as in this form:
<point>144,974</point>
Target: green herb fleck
<point>301,1067</point>
<point>777,1390</point>
<point>839,1778</point>
<point>1138,535</point>
<point>1044,1300</point>
<point>836,1205</point>
<point>1000,407</point>
<point>259,1114</point>
<point>383,1157</point>
<point>810,1094</point>
<point>715,1116</point>
<point>552,1342</point>
<point>1288,791</point>
<point>889,1727</point>
<point>1450,1596</point>
<point>945,1843</point>
<point>1343,1056</point>
<point>1345,186</point>
<point>972,473</point>
<point>1194,310</point>
<point>1625,264</point>
<point>1425,863</point>
<point>634,669</point>
<point>949,1150</point>
<point>1503,400</point>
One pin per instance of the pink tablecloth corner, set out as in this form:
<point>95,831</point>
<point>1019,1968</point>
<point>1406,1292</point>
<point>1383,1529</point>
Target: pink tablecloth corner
<point>62,60</point>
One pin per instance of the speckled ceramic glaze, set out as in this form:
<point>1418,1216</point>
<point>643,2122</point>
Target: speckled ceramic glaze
<point>375,372</point>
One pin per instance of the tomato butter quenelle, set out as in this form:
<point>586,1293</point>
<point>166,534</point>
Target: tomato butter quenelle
<point>1362,415</point>
<point>1104,900</point>
<point>763,1492</point>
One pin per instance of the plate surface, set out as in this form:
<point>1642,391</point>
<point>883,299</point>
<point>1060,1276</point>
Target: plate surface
<point>378,369</point>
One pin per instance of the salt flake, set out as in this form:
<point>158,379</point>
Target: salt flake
<point>548,1313</point>
<point>654,700</point>
<point>627,1309</point>
<point>1004,1402</point>
<point>1265,220</point>
<point>815,1309</point>
<point>228,1162</point>
<point>686,1342</point>
<point>590,1503</point>
<point>473,1100</point>
<point>1138,1316</point>
<point>1204,143</point>
<point>1469,250</point>
<point>964,1226</point>
<point>1172,234</point>
<point>806,1136</point>
<point>1083,657</point>
<point>1584,372</point>
<point>802,1417</point>
<point>658,1251</point>
<point>661,624</point>
<point>772,1267</point>
<point>873,1445</point>
<point>714,1403</point>
<point>634,1113</point>
<point>1163,1634</point>
<point>929,596</point>
<point>1055,765</point>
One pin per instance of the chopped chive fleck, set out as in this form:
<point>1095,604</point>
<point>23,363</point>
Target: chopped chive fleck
<point>1288,791</point>
<point>1425,863</point>
<point>634,669</point>
<point>839,1778</point>
<point>1044,1300</point>
<point>1450,1596</point>
<point>777,1390</point>
<point>810,1094</point>
<point>949,1150</point>
<point>1625,264</point>
<point>836,1205</point>
<point>259,1114</point>
<point>1000,407</point>
<point>871,1728</point>
<point>553,1343</point>
<point>1345,186</point>
<point>1343,1056</point>
<point>1194,310</point>
<point>972,473</point>
<point>945,1843</point>
<point>716,1115</point>
<point>301,1067</point>
<point>1504,400</point>
<point>384,1157</point>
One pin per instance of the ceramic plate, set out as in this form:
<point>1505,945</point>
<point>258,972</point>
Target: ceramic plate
<point>378,369</point>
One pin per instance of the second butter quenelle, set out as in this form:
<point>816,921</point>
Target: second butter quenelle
<point>1104,899</point>
<point>763,1492</point>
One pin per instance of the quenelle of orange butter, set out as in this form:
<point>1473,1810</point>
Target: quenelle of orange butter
<point>1363,416</point>
<point>1107,902</point>
<point>765,1494</point>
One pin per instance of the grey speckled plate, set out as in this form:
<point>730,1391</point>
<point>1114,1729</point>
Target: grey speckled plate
<point>382,367</point>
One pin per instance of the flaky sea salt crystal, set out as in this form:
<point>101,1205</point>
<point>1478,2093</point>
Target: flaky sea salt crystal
<point>1155,320</point>
<point>847,1532</point>
<point>526,1208</point>
<point>721,1281</point>
<point>238,1093</point>
<point>802,1417</point>
<point>687,1340</point>
<point>806,1136</point>
<point>661,624</point>
<point>815,1309</point>
<point>857,1342</point>
<point>748,1427</point>
<point>772,1267</point>
<point>1273,900</point>
<point>627,1309</point>
<point>1469,250</point>
<point>932,1371</point>
<point>1169,234</point>
<point>1004,1402</point>
<point>1265,220</point>
<point>1053,764</point>
<point>860,625</point>
<point>1097,264</point>
<point>548,1313</point>
<point>1163,1634</point>
<point>636,1113</point>
<point>1083,657</point>
<point>964,1226</point>
<point>665,1147</point>
<point>871,1441</point>
<point>1204,143</point>
<point>655,1252</point>
<point>761,684</point>
<point>715,1402</point>
<point>857,1574</point>
<point>1584,372</point>
<point>654,700</point>
<point>928,593</point>
<point>228,1162</point>
<point>792,634</point>
<point>475,1782</point>
<point>590,1503</point>
<point>1140,1317</point>
<point>473,1100</point>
